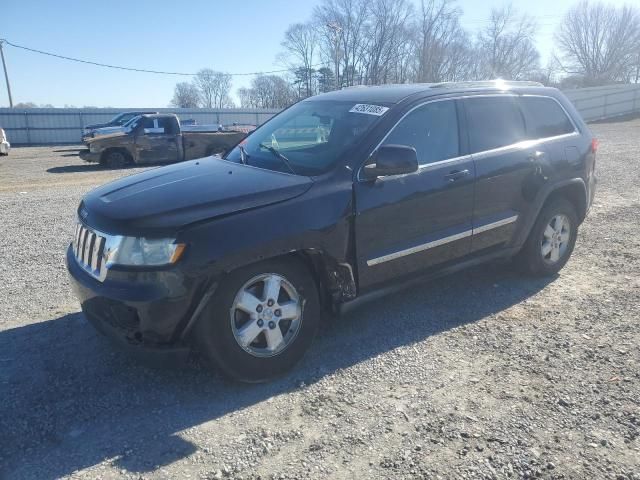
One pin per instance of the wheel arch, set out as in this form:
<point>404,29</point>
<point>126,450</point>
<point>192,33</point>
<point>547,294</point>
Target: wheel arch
<point>124,151</point>
<point>574,190</point>
<point>576,193</point>
<point>335,280</point>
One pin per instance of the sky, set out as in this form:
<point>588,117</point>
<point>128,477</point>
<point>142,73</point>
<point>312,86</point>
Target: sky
<point>183,36</point>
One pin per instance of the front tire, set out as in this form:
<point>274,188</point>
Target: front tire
<point>115,159</point>
<point>551,240</point>
<point>261,320</point>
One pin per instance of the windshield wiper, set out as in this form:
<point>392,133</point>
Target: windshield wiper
<point>277,153</point>
<point>243,155</point>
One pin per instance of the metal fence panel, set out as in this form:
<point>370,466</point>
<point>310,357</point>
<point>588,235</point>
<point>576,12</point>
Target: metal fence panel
<point>596,103</point>
<point>64,125</point>
<point>48,126</point>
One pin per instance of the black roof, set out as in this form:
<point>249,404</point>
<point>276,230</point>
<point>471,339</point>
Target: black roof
<point>397,93</point>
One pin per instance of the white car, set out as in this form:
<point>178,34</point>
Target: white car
<point>5,146</point>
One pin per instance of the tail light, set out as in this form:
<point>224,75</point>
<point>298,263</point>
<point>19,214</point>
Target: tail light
<point>594,145</point>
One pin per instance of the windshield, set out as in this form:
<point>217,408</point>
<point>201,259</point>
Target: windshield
<point>131,122</point>
<point>117,119</point>
<point>311,136</point>
<point>125,118</point>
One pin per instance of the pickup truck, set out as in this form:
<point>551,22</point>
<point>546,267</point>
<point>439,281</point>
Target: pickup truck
<point>158,138</point>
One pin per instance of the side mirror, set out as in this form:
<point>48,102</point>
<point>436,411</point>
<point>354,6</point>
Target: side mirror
<point>391,160</point>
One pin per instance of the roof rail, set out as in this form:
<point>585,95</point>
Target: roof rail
<point>489,83</point>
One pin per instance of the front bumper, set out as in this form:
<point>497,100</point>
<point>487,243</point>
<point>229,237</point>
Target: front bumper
<point>87,156</point>
<point>142,312</point>
<point>4,148</point>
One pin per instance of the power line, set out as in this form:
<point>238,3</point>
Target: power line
<point>131,69</point>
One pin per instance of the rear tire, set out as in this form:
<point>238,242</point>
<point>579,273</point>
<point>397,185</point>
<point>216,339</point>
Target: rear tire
<point>551,240</point>
<point>253,334</point>
<point>115,159</point>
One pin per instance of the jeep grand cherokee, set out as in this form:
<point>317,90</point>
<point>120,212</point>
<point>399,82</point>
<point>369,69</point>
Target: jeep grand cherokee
<point>334,200</point>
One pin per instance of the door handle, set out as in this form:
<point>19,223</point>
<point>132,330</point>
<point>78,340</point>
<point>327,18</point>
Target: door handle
<point>454,175</point>
<point>537,155</point>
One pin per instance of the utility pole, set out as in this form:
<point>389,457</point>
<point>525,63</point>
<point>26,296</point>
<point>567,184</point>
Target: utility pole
<point>6,75</point>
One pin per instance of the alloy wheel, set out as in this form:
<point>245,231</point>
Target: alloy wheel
<point>266,315</point>
<point>555,238</point>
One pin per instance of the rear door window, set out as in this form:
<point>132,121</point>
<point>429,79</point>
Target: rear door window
<point>148,123</point>
<point>493,122</point>
<point>544,118</point>
<point>431,129</point>
<point>168,124</point>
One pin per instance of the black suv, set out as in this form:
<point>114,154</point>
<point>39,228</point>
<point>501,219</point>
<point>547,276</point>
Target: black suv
<point>334,200</point>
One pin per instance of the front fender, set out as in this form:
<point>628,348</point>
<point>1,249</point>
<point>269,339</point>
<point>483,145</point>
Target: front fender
<point>315,225</point>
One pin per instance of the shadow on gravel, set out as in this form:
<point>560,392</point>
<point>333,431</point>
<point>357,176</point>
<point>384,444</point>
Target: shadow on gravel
<point>69,150</point>
<point>69,400</point>
<point>89,167</point>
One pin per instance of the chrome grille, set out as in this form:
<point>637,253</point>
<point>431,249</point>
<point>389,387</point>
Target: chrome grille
<point>89,249</point>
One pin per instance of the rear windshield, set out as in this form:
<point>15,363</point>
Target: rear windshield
<point>311,135</point>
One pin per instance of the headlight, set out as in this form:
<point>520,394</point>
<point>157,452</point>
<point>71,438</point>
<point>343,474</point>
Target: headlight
<point>93,148</point>
<point>146,251</point>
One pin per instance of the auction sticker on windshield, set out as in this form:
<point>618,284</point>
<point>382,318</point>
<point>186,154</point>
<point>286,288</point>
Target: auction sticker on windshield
<point>369,109</point>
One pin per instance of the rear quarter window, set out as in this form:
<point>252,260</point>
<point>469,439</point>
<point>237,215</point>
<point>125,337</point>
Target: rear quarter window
<point>493,122</point>
<point>544,118</point>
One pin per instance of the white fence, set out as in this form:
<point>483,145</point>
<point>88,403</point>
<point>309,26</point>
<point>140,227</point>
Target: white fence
<point>42,126</point>
<point>596,103</point>
<point>38,126</point>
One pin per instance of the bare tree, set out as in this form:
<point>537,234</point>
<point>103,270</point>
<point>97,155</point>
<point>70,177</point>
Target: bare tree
<point>185,95</point>
<point>506,46</point>
<point>25,105</point>
<point>300,42</point>
<point>214,88</point>
<point>635,68</point>
<point>401,63</point>
<point>600,42</point>
<point>385,33</point>
<point>439,41</point>
<point>341,26</point>
<point>267,91</point>
<point>548,75</point>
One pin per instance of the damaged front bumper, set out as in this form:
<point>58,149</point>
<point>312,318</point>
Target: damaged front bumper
<point>88,156</point>
<point>141,318</point>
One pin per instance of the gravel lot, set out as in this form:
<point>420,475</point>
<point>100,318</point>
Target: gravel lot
<point>485,374</point>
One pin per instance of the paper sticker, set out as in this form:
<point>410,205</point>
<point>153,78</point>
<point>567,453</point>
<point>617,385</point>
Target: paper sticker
<point>376,110</point>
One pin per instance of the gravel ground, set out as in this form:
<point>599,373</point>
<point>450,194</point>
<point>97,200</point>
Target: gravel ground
<point>484,374</point>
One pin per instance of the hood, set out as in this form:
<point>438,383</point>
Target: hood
<point>108,131</point>
<point>95,125</point>
<point>168,198</point>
